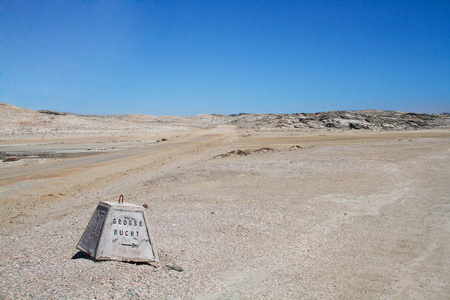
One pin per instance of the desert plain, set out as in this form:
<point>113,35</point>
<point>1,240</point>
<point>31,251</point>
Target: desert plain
<point>241,207</point>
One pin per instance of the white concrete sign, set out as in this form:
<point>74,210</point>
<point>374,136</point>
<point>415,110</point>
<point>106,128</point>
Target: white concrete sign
<point>119,231</point>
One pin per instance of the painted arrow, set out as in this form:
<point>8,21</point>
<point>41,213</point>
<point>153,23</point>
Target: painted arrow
<point>133,245</point>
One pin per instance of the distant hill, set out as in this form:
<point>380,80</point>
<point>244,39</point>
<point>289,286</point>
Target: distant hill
<point>344,120</point>
<point>15,121</point>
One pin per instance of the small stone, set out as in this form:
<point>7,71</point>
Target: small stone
<point>175,268</point>
<point>12,158</point>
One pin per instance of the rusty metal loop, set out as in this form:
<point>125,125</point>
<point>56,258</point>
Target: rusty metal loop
<point>121,199</point>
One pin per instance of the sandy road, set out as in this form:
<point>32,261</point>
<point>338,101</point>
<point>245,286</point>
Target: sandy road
<point>139,156</point>
<point>119,161</point>
<point>35,182</point>
<point>19,186</point>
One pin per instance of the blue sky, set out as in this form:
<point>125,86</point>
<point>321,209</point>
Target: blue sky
<point>190,57</point>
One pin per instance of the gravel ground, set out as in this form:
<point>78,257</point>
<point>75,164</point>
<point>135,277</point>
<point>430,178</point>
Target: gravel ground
<point>347,220</point>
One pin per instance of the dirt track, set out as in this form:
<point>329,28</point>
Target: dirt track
<point>346,215</point>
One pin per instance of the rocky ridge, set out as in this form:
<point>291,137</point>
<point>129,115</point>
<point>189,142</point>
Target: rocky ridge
<point>14,120</point>
<point>344,120</point>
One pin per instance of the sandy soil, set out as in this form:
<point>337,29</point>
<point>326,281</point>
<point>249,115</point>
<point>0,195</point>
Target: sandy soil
<point>318,215</point>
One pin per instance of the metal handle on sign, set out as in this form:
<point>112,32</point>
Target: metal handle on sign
<point>121,199</point>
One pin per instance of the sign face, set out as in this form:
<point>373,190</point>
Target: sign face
<point>119,231</point>
<point>127,236</point>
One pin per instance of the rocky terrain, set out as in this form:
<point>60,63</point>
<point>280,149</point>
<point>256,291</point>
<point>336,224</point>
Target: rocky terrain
<point>51,123</point>
<point>343,120</point>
